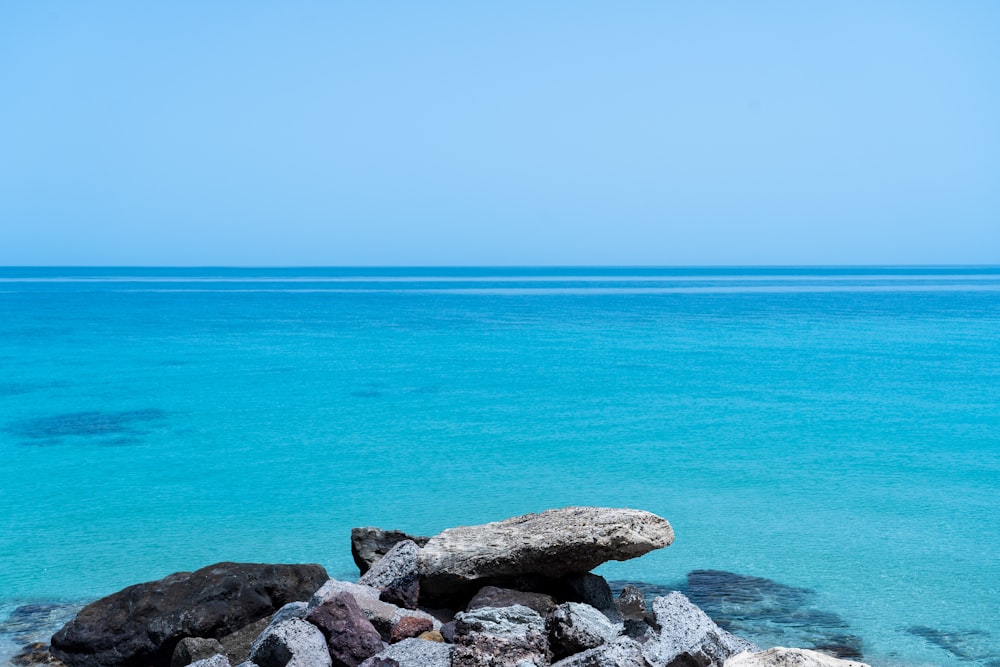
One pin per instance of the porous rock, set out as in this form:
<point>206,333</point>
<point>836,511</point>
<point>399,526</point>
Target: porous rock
<point>632,604</point>
<point>140,626</point>
<point>237,644</point>
<point>369,545</point>
<point>217,660</point>
<point>500,637</point>
<point>554,543</point>
<point>592,589</point>
<point>395,575</point>
<point>193,649</point>
<point>622,652</point>
<point>408,627</point>
<point>35,654</point>
<point>350,636</point>
<point>291,643</point>
<point>575,627</point>
<point>689,636</point>
<point>383,615</point>
<point>494,596</point>
<point>780,656</point>
<point>413,653</point>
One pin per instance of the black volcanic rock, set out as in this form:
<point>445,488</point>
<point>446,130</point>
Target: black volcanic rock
<point>141,625</point>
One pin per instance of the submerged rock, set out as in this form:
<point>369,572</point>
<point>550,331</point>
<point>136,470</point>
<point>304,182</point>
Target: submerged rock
<point>552,544</point>
<point>773,612</point>
<point>780,656</point>
<point>967,645</point>
<point>369,545</point>
<point>141,625</point>
<point>35,654</point>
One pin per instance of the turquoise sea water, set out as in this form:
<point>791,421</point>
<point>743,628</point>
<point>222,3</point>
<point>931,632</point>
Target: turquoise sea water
<point>836,430</point>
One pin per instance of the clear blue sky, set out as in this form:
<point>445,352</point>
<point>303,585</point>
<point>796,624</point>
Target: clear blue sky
<point>331,133</point>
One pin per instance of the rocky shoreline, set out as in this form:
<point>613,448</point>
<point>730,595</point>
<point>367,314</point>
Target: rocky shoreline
<point>514,593</point>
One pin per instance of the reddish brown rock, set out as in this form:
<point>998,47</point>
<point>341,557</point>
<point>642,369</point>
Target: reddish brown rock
<point>350,636</point>
<point>409,626</point>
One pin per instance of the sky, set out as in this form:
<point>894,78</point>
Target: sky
<point>502,133</point>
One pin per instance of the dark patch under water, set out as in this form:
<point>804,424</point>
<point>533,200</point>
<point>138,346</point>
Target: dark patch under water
<point>107,427</point>
<point>764,611</point>
<point>37,621</point>
<point>972,645</point>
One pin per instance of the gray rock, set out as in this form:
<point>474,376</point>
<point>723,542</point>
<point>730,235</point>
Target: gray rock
<point>237,644</point>
<point>622,652</point>
<point>217,660</point>
<point>247,663</point>
<point>381,614</point>
<point>780,656</point>
<point>291,643</point>
<point>193,649</point>
<point>493,596</point>
<point>554,543</point>
<point>500,637</point>
<point>686,632</point>
<point>414,653</point>
<point>632,604</point>
<point>350,637</point>
<point>368,545</point>
<point>593,590</point>
<point>291,610</point>
<point>575,627</point>
<point>395,575</point>
<point>142,624</point>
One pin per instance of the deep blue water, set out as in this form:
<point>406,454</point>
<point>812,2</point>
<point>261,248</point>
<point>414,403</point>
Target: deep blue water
<point>835,431</point>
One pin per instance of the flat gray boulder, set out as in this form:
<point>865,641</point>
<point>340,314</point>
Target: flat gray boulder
<point>686,632</point>
<point>552,544</point>
<point>780,656</point>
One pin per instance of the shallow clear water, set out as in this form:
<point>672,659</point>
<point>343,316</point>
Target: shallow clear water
<point>830,429</point>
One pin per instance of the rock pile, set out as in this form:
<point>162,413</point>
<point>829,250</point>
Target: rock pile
<point>516,593</point>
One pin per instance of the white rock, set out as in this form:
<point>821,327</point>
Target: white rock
<point>291,643</point>
<point>779,656</point>
<point>684,628</point>
<point>416,653</point>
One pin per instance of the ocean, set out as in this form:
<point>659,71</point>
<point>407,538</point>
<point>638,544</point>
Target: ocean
<point>825,441</point>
